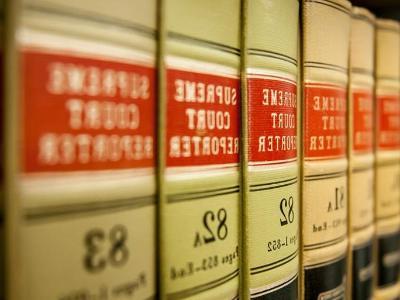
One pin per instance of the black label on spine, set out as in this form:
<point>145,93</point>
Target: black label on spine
<point>388,259</point>
<point>362,272</point>
<point>326,281</point>
<point>287,290</point>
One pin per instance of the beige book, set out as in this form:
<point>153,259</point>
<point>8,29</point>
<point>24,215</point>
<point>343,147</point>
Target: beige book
<point>199,124</point>
<point>326,37</point>
<point>361,155</point>
<point>387,153</point>
<point>270,165</point>
<point>80,86</point>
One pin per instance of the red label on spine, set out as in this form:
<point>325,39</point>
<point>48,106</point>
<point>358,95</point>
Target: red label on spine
<point>388,119</point>
<point>362,121</point>
<point>324,121</point>
<point>85,114</point>
<point>272,119</point>
<point>202,119</point>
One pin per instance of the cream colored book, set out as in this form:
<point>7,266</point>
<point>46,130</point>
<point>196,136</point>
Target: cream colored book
<point>387,153</point>
<point>80,149</point>
<point>270,164</point>
<point>199,123</point>
<point>361,156</point>
<point>326,39</point>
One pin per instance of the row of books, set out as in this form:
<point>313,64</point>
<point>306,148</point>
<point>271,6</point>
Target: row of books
<point>213,149</point>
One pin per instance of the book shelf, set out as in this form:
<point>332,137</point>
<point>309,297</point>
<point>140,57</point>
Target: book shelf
<point>200,149</point>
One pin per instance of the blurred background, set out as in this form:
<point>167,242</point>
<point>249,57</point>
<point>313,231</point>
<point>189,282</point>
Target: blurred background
<point>381,8</point>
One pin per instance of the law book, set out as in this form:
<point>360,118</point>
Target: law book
<point>80,154</point>
<point>326,37</point>
<point>270,163</point>
<point>387,154</point>
<point>361,155</point>
<point>199,149</point>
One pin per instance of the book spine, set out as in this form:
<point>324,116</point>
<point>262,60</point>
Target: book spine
<point>387,151</point>
<point>271,195</point>
<point>326,35</point>
<point>199,148</point>
<point>361,157</point>
<point>85,105</point>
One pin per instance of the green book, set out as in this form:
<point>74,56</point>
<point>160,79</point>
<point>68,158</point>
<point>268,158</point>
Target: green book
<point>80,180</point>
<point>270,162</point>
<point>199,115</point>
